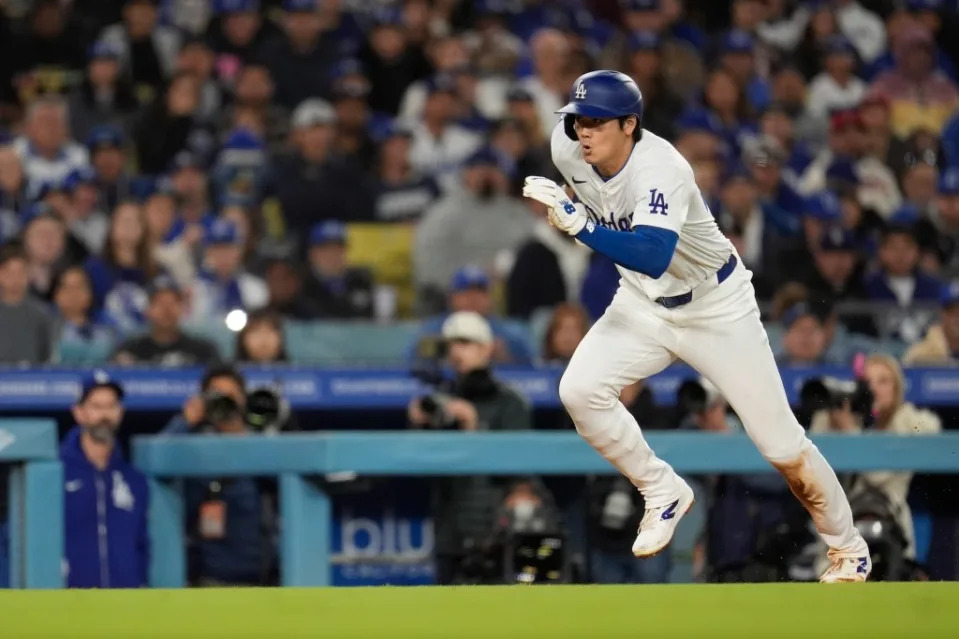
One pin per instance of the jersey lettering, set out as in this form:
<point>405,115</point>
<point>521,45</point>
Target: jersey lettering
<point>657,203</point>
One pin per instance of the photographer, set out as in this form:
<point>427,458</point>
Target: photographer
<point>884,405</point>
<point>230,521</point>
<point>465,508</point>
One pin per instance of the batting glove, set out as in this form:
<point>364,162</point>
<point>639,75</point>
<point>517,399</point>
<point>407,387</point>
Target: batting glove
<point>564,214</point>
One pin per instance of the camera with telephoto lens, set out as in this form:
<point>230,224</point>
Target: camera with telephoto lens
<point>267,411</point>
<point>220,408</point>
<point>831,393</point>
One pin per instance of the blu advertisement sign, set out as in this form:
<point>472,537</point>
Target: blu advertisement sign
<point>383,535</point>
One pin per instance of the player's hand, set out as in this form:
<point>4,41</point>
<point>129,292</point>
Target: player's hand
<point>562,212</point>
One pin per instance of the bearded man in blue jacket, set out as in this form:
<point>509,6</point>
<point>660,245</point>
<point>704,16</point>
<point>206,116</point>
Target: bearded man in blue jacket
<point>105,498</point>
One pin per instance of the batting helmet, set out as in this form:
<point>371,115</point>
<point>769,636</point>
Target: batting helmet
<point>602,94</point>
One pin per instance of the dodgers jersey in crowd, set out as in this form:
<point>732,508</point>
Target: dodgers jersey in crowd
<point>655,187</point>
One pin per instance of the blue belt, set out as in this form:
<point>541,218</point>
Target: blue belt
<point>721,276</point>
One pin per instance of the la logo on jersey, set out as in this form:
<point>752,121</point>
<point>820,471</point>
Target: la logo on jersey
<point>580,91</point>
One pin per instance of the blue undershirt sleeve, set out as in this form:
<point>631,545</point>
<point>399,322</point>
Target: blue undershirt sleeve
<point>647,249</point>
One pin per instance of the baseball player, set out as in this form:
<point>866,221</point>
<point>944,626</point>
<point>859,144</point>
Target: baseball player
<point>684,294</point>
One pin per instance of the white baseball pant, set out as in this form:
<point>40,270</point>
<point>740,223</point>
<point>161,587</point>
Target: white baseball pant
<point>720,335</point>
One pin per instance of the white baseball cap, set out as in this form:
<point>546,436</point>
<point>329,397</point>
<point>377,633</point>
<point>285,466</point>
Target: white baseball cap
<point>468,326</point>
<point>313,112</point>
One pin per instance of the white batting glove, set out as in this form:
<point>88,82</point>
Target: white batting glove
<point>563,213</point>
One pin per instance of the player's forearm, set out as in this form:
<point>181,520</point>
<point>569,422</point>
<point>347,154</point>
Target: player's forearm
<point>647,249</point>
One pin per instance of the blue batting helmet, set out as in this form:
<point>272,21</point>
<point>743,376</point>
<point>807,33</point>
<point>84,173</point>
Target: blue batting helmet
<point>602,94</point>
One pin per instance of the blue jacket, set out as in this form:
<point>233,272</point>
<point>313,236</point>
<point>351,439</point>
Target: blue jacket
<point>106,541</point>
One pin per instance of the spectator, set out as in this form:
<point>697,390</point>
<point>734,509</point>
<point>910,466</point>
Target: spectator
<point>79,326</point>
<point>104,97</point>
<point>147,49</point>
<point>121,273</point>
<point>836,88</point>
<point>190,184</point>
<point>44,242</point>
<point>781,204</point>
<point>165,344</point>
<point>241,174</point>
<point>940,346</point>
<point>469,290</point>
<point>172,251</point>
<point>27,334</point>
<point>478,401</point>
<point>340,290</point>
<point>105,145</point>
<point>549,83</point>
<point>921,96</point>
<point>230,521</point>
<point>700,136</point>
<point>236,34</point>
<point>547,270</point>
<point>84,216</point>
<point>495,49</point>
<point>402,195</point>
<point>660,104</point>
<point>724,98</point>
<point>310,184</point>
<point>222,285</point>
<point>738,58</point>
<point>900,281</point>
<point>837,274</point>
<point>919,175</point>
<point>478,224</point>
<point>392,61</point>
<point>893,415</point>
<point>284,281</point>
<point>439,144</point>
<point>13,198</point>
<point>46,152</point>
<point>253,100</point>
<point>521,107</point>
<point>261,341</point>
<point>566,329</point>
<point>172,124</point>
<point>804,340</point>
<point>352,140</point>
<point>299,61</point>
<point>945,223</point>
<point>776,123</point>
<point>106,499</point>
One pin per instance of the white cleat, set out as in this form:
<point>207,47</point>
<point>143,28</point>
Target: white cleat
<point>658,524</point>
<point>847,568</point>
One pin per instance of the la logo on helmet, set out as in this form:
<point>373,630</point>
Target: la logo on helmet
<point>581,91</point>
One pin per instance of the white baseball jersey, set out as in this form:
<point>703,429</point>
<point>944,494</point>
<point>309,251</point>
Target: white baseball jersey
<point>656,187</point>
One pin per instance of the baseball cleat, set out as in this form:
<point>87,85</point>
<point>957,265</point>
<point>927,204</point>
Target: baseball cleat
<point>659,523</point>
<point>847,568</point>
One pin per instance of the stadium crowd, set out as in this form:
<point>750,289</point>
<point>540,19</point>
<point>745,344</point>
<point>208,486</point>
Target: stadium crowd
<point>167,163</point>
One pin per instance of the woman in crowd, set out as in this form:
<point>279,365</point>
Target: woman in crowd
<point>566,329</point>
<point>82,334</point>
<point>262,341</point>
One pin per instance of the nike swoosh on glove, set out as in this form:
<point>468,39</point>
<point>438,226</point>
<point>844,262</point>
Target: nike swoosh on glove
<point>564,214</point>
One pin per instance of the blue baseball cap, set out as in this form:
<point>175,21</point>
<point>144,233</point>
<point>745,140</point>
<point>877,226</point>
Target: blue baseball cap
<point>738,41</point>
<point>185,159</point>
<point>299,5</point>
<point>640,5</point>
<point>905,216</point>
<point>843,171</point>
<point>441,82</point>
<point>924,5</point>
<point>469,277</point>
<point>235,6</point>
<point>222,231</point>
<point>328,232</point>
<point>796,312</point>
<point>823,206</point>
<point>104,49</point>
<point>83,175</point>
<point>161,284</point>
<point>345,67</point>
<point>644,41</point>
<point>836,238</point>
<point>839,44</point>
<point>949,181</point>
<point>95,379</point>
<point>736,171</point>
<point>700,120</point>
<point>105,136</point>
<point>949,294</point>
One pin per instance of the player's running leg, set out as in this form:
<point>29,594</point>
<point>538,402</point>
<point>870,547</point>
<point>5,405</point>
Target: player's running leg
<point>623,346</point>
<point>724,339</point>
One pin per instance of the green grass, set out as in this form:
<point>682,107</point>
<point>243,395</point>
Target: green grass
<point>771,611</point>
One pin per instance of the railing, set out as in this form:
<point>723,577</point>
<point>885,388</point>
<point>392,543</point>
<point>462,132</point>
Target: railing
<point>299,461</point>
<point>28,450</point>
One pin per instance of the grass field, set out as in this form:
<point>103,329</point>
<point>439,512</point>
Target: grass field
<point>771,611</point>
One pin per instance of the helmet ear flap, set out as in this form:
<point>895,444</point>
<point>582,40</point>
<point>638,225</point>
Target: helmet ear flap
<point>568,120</point>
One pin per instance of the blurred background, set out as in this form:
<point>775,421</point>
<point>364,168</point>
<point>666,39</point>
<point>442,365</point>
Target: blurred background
<point>304,215</point>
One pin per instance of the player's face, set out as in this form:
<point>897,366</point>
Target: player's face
<point>601,139</point>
